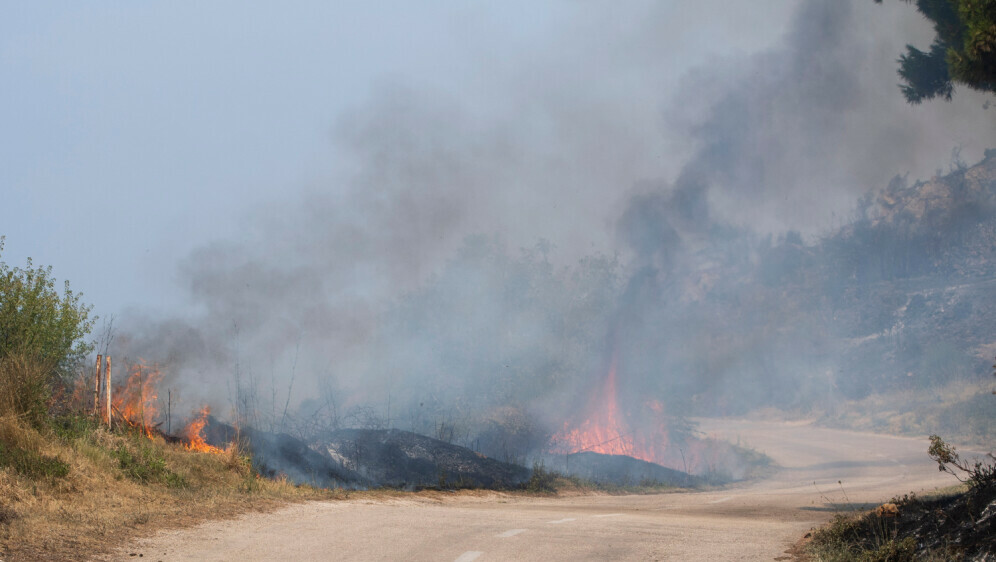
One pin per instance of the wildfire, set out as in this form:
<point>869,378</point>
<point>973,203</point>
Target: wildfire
<point>606,431</point>
<point>192,433</point>
<point>136,402</point>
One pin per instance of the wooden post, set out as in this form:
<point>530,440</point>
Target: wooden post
<point>107,388</point>
<point>141,397</point>
<point>96,388</point>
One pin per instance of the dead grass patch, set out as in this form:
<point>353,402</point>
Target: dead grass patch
<point>101,500</point>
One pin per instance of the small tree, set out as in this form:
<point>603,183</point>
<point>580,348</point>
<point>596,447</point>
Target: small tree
<point>948,460</point>
<point>39,323</point>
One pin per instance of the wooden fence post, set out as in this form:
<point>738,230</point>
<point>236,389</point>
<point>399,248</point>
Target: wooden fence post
<point>96,388</point>
<point>107,386</point>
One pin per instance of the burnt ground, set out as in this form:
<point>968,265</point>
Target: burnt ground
<point>368,458</point>
<point>278,453</point>
<point>618,470</point>
<point>404,459</point>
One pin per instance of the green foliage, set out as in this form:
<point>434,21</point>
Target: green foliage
<point>72,427</point>
<point>976,474</point>
<point>147,465</point>
<point>925,74</point>
<point>37,322</point>
<point>31,463</point>
<point>963,52</point>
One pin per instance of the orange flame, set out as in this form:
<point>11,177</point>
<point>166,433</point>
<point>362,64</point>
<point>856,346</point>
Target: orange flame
<point>607,432</point>
<point>192,433</point>
<point>136,401</point>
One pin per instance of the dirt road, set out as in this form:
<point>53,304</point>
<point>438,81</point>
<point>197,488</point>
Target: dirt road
<point>756,521</point>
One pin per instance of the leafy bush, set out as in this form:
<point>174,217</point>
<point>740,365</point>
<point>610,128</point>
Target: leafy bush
<point>39,323</point>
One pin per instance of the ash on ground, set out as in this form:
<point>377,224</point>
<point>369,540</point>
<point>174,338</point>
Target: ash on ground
<point>404,459</point>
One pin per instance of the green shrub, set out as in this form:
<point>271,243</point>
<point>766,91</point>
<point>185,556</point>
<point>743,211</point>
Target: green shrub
<point>39,323</point>
<point>71,427</point>
<point>541,480</point>
<point>30,463</point>
<point>147,465</point>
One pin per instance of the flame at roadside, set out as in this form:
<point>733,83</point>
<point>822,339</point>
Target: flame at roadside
<point>193,434</point>
<point>136,402</point>
<point>606,430</point>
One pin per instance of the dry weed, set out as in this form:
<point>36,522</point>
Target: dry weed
<point>96,505</point>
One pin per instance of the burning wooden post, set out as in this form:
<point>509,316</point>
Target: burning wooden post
<point>96,387</point>
<point>107,387</point>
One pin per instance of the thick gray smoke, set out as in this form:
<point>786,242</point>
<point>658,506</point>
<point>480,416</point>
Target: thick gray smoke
<point>397,293</point>
<point>788,136</point>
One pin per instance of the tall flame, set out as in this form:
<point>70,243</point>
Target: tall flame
<point>605,430</point>
<point>195,439</point>
<point>136,404</point>
<point>136,401</point>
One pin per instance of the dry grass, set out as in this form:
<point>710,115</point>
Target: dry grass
<point>118,486</point>
<point>24,387</point>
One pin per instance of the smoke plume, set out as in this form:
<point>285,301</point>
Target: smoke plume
<point>476,260</point>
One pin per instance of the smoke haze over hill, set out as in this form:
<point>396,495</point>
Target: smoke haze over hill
<point>481,257</point>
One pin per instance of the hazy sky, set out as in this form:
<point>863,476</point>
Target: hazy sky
<point>135,133</point>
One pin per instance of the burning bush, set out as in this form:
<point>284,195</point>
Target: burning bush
<point>136,401</point>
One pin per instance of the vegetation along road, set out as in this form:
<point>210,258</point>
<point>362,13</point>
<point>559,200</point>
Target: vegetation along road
<point>823,471</point>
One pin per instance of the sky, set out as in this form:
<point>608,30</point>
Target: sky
<point>138,137</point>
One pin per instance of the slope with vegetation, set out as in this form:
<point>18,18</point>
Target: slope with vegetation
<point>949,526</point>
<point>69,485</point>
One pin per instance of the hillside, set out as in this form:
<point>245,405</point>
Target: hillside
<point>899,299</point>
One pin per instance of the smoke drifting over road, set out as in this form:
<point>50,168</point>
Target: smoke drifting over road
<point>640,192</point>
